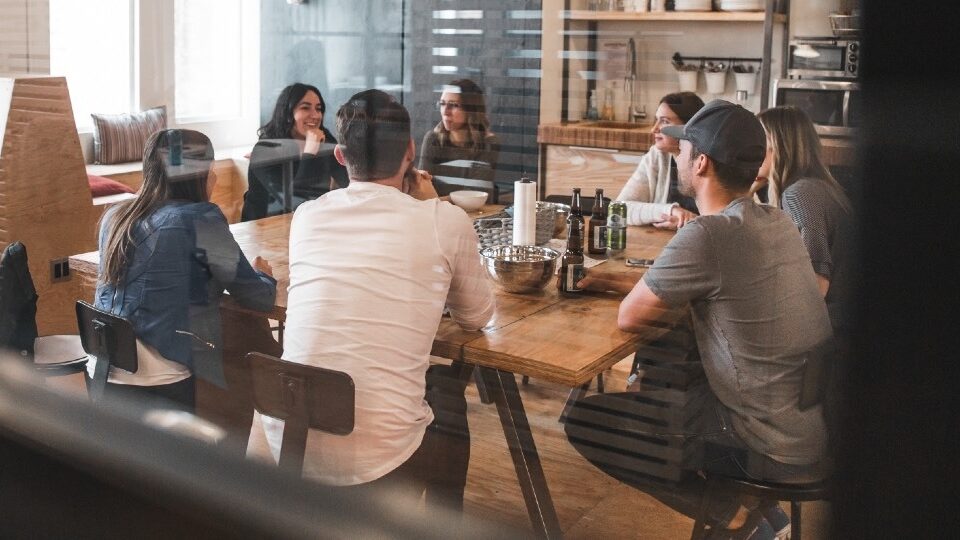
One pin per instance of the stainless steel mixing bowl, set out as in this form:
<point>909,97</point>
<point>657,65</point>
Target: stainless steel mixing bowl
<point>519,269</point>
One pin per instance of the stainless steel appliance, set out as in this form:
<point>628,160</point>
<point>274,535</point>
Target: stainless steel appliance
<point>834,106</point>
<point>824,58</point>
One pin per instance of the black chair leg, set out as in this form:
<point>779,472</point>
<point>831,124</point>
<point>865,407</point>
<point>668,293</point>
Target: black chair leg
<point>526,380</point>
<point>600,383</point>
<point>700,525</point>
<point>794,520</point>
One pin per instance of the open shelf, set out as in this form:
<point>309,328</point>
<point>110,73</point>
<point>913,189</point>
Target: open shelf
<point>676,16</point>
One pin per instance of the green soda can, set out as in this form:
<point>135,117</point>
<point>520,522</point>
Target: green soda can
<point>616,228</point>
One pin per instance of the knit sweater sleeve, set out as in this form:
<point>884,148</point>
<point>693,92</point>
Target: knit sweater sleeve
<point>644,192</point>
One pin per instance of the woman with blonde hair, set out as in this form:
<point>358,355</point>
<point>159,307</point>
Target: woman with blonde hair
<point>463,133</point>
<point>800,184</point>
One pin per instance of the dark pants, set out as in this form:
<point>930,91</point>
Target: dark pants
<point>440,464</point>
<point>723,452</point>
<point>178,396</point>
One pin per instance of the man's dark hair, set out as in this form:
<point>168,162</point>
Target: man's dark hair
<point>734,179</point>
<point>374,131</point>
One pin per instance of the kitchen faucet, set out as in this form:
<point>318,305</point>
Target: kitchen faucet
<point>634,113</point>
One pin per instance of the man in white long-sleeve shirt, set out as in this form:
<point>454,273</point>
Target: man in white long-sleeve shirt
<point>371,269</point>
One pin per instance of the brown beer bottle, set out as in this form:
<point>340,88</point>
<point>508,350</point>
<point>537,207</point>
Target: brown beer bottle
<point>597,232</point>
<point>571,265</point>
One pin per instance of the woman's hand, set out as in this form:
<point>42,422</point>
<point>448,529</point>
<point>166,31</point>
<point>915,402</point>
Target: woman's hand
<point>261,265</point>
<point>419,184</point>
<point>759,183</point>
<point>315,137</point>
<point>678,217</point>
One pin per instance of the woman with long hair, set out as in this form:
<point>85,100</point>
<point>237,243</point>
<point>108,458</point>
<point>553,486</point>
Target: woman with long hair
<point>463,133</point>
<point>297,116</point>
<point>652,193</point>
<point>800,184</point>
<point>166,257</point>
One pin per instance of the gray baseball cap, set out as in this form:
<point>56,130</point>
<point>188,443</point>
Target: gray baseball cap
<point>726,132</point>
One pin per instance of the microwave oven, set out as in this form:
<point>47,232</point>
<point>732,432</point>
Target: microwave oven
<point>823,58</point>
<point>836,107</point>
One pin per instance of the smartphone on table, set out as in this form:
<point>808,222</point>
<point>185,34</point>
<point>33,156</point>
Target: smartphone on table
<point>642,263</point>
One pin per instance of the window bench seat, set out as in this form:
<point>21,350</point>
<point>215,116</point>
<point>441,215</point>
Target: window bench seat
<point>229,165</point>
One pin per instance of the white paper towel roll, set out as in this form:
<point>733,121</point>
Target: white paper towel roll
<point>524,213</point>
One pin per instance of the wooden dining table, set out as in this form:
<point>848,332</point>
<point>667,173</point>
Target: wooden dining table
<point>542,335</point>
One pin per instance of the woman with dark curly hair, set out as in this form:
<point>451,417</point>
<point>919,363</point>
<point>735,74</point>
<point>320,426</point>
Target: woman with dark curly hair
<point>463,134</point>
<point>298,115</point>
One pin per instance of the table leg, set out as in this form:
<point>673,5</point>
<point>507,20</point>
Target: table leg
<point>502,387</point>
<point>576,394</point>
<point>481,388</point>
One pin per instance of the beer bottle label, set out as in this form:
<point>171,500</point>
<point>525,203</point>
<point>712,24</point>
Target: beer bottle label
<point>600,237</point>
<point>575,273</point>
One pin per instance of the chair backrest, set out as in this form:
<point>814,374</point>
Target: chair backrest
<point>108,337</point>
<point>18,301</point>
<point>814,382</point>
<point>304,397</point>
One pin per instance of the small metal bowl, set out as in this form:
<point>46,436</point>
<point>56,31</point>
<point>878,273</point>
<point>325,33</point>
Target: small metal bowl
<point>519,269</point>
<point>560,222</point>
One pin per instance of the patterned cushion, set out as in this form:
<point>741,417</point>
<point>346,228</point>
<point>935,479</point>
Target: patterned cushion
<point>101,186</point>
<point>120,138</point>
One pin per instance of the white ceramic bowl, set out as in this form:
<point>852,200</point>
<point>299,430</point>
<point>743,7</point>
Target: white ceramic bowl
<point>470,201</point>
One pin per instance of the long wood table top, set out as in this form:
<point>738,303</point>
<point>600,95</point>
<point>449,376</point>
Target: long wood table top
<point>542,335</point>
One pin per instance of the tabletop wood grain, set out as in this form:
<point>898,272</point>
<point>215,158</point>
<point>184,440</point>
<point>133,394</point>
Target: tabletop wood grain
<point>542,335</point>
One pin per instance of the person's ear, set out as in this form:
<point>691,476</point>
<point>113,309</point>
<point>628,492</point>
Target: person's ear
<point>703,164</point>
<point>411,152</point>
<point>338,153</point>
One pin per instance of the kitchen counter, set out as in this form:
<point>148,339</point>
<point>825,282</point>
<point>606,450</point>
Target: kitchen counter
<point>637,138</point>
<point>597,134</point>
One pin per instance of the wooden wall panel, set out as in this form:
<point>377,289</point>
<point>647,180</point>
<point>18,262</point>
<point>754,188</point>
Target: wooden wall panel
<point>44,196</point>
<point>569,167</point>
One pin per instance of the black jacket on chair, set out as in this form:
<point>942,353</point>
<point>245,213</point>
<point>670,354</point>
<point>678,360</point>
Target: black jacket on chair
<point>18,302</point>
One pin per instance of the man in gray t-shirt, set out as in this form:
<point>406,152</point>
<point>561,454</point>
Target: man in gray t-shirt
<point>757,313</point>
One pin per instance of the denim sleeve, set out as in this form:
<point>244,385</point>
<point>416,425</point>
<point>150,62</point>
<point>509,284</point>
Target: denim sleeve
<point>228,265</point>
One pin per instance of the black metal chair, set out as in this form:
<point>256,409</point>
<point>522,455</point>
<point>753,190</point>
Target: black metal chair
<point>110,339</point>
<point>304,397</point>
<point>50,356</point>
<point>811,393</point>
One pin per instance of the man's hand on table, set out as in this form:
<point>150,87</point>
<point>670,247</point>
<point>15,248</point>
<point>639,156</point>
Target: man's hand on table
<point>261,264</point>
<point>598,281</point>
<point>419,184</point>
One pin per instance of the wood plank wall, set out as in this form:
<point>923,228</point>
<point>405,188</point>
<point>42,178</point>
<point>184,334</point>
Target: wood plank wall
<point>45,199</point>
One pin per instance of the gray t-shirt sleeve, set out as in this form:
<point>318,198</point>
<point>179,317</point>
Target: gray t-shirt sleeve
<point>809,211</point>
<point>687,268</point>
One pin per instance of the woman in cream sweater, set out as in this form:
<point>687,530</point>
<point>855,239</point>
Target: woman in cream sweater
<point>652,193</point>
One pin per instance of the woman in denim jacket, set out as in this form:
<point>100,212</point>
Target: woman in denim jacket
<point>166,258</point>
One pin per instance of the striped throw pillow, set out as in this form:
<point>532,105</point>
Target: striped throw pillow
<point>120,138</point>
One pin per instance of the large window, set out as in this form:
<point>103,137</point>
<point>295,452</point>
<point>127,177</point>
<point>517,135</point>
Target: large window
<point>207,44</point>
<point>93,48</point>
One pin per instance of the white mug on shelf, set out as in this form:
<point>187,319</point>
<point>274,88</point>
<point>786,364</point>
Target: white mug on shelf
<point>716,81</point>
<point>637,6</point>
<point>688,80</point>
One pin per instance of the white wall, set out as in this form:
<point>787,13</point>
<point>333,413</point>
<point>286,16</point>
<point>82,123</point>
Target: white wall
<point>24,37</point>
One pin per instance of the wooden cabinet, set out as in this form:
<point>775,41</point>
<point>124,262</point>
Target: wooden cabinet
<point>568,167</point>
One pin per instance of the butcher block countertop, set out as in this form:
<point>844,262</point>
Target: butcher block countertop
<point>597,134</point>
<point>637,138</point>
